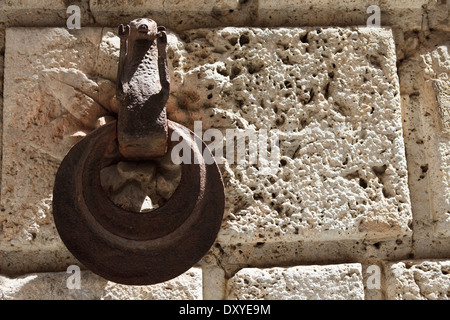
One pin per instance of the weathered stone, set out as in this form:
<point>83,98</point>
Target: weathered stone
<point>36,259</point>
<point>108,57</point>
<point>200,5</point>
<point>437,73</point>
<point>234,257</point>
<point>406,14</point>
<point>418,280</point>
<point>174,14</point>
<point>65,93</point>
<point>124,11</point>
<point>214,283</point>
<point>63,286</point>
<point>141,186</point>
<point>425,82</point>
<point>61,86</point>
<point>52,100</point>
<point>328,282</point>
<point>43,13</point>
<point>182,15</point>
<point>333,95</point>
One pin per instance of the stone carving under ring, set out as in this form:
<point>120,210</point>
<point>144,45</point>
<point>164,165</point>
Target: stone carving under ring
<point>130,247</point>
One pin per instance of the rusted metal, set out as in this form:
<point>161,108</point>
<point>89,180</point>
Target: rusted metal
<point>143,87</point>
<point>130,247</point>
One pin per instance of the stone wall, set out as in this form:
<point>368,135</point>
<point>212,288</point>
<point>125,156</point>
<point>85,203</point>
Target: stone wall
<point>358,204</point>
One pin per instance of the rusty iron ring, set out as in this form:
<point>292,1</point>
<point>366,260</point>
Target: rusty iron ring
<point>129,247</point>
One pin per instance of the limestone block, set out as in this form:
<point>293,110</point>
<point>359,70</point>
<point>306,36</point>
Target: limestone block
<point>108,55</point>
<point>263,254</point>
<point>200,5</point>
<point>184,15</point>
<point>426,77</point>
<point>437,72</point>
<point>42,13</point>
<point>327,282</point>
<point>124,11</point>
<point>437,120</point>
<point>405,14</point>
<point>332,94</point>
<point>63,286</point>
<point>321,13</point>
<point>214,283</point>
<point>54,94</point>
<point>174,14</point>
<point>418,280</point>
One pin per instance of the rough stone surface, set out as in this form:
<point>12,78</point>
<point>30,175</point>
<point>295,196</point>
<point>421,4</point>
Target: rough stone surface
<point>272,254</point>
<point>436,102</point>
<point>175,14</point>
<point>425,83</point>
<point>331,282</point>
<point>348,12</point>
<point>125,11</point>
<point>143,186</point>
<point>40,13</point>
<point>54,286</point>
<point>66,96</point>
<point>333,95</point>
<point>182,15</point>
<point>54,95</point>
<point>214,283</point>
<point>59,86</point>
<point>418,280</point>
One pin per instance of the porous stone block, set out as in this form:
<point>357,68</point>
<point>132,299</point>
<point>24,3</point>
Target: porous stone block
<point>327,282</point>
<point>418,280</point>
<point>182,15</point>
<point>200,5</point>
<point>54,94</point>
<point>174,14</point>
<point>425,82</point>
<point>437,73</point>
<point>43,13</point>
<point>329,95</point>
<point>214,283</point>
<point>123,11</point>
<point>404,14</point>
<point>64,286</point>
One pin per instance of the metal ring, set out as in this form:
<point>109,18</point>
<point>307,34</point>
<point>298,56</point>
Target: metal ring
<point>129,247</point>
